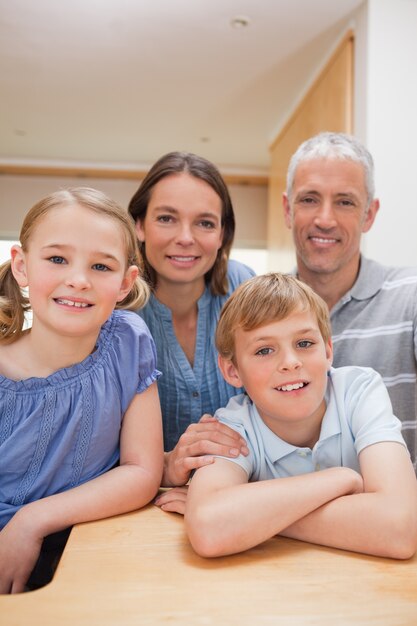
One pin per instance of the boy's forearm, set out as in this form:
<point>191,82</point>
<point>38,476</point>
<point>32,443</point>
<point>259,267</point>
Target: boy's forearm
<point>238,517</point>
<point>368,523</point>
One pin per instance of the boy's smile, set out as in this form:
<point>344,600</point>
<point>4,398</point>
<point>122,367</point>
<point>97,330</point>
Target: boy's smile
<point>283,367</point>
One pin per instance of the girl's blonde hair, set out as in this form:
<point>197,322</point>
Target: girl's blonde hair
<point>265,299</point>
<point>13,302</point>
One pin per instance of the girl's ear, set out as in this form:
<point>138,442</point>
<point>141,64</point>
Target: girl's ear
<point>131,275</point>
<point>18,265</point>
<point>229,371</point>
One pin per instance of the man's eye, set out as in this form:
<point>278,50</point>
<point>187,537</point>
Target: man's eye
<point>59,260</point>
<point>101,267</point>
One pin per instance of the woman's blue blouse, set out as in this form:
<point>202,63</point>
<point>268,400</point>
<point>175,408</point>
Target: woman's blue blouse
<point>186,392</point>
<point>63,430</point>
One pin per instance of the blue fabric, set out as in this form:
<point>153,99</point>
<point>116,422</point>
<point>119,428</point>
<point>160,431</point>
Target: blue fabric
<point>186,392</point>
<point>63,430</point>
<point>358,414</point>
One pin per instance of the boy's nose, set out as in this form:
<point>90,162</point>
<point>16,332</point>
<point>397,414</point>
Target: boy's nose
<point>289,362</point>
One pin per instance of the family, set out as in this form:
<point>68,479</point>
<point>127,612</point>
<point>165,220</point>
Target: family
<point>264,405</point>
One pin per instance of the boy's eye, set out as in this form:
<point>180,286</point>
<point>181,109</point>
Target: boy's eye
<point>101,267</point>
<point>264,351</point>
<point>305,343</point>
<point>59,260</point>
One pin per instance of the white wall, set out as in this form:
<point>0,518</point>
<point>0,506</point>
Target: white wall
<point>386,120</point>
<point>19,193</point>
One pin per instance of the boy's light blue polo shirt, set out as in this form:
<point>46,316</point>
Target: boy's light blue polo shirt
<point>358,414</point>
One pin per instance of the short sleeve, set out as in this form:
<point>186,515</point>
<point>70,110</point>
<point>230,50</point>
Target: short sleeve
<point>134,355</point>
<point>369,406</point>
<point>236,416</point>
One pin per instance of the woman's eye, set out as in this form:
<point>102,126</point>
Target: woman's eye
<point>165,219</point>
<point>264,351</point>
<point>101,267</point>
<point>59,260</point>
<point>207,224</point>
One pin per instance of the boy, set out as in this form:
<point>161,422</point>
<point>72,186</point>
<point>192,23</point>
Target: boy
<point>327,461</point>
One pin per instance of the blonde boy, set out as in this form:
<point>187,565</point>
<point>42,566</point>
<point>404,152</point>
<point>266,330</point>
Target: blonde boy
<point>327,462</point>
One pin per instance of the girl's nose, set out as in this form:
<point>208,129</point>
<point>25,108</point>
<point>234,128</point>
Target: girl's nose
<point>78,279</point>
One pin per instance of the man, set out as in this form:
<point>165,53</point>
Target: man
<point>329,203</point>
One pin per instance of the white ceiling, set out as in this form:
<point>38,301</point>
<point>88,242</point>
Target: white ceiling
<point>125,81</point>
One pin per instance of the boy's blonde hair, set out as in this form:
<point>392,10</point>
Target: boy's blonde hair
<point>13,302</point>
<point>265,299</point>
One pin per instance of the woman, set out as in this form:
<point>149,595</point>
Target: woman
<point>185,226</point>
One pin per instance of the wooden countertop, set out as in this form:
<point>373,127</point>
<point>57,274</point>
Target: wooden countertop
<point>139,569</point>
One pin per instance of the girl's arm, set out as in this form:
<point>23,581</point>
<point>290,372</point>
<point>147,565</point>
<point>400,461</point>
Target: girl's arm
<point>225,514</point>
<point>129,486</point>
<point>381,521</point>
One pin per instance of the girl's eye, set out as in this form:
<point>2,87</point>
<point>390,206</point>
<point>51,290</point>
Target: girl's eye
<point>264,351</point>
<point>305,343</point>
<point>101,267</point>
<point>59,260</point>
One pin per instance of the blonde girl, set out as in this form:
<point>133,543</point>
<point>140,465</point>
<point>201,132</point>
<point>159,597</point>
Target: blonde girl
<point>80,423</point>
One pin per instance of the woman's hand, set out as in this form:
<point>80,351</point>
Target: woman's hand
<point>196,448</point>
<point>173,500</point>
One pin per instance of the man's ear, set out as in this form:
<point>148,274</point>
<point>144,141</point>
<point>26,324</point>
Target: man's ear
<point>370,215</point>
<point>18,265</point>
<point>287,210</point>
<point>229,372</point>
<point>131,275</point>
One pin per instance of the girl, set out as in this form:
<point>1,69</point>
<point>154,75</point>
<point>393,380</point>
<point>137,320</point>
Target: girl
<point>185,225</point>
<point>80,423</point>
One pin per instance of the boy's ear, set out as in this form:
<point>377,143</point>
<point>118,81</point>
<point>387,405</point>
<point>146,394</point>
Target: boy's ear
<point>131,275</point>
<point>329,352</point>
<point>18,265</point>
<point>229,372</point>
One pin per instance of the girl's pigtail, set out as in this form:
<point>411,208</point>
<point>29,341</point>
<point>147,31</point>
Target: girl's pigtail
<point>13,305</point>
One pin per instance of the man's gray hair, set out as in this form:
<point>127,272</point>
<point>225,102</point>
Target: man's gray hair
<point>333,146</point>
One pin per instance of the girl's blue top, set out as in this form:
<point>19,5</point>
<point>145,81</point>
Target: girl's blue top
<point>63,430</point>
<point>186,392</point>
